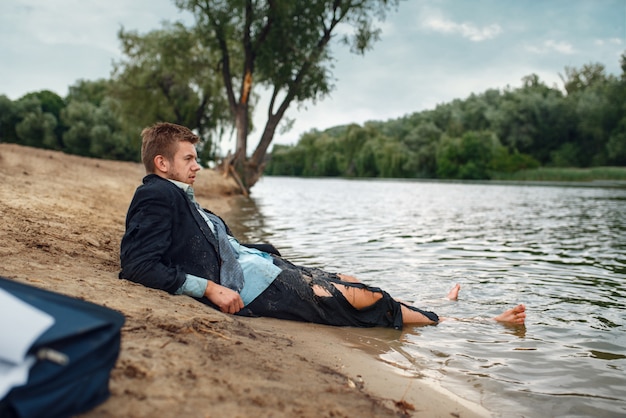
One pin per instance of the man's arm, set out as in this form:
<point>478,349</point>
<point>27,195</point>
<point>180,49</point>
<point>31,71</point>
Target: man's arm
<point>225,299</point>
<point>146,242</point>
<point>265,247</point>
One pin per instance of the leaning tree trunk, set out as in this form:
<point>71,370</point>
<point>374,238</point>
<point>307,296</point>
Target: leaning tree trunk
<point>255,165</point>
<point>235,166</point>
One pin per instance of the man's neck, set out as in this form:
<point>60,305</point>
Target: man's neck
<point>180,184</point>
<point>187,189</point>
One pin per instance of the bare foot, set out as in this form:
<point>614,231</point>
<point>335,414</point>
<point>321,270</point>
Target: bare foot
<point>515,315</point>
<point>454,293</point>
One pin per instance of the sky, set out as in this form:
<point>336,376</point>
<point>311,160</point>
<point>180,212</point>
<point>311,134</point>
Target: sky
<point>431,51</point>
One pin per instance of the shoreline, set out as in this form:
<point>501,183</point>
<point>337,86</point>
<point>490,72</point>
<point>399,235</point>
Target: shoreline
<point>340,349</point>
<point>63,217</point>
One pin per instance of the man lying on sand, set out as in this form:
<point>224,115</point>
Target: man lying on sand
<point>172,244</point>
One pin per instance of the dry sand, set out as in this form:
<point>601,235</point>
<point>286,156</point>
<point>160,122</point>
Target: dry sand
<point>62,220</point>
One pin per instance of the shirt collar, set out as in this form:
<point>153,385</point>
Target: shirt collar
<point>185,187</point>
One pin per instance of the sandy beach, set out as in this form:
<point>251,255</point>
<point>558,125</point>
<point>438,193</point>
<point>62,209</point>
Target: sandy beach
<point>62,221</point>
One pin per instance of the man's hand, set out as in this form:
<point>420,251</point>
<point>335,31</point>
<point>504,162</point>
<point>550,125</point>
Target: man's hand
<point>226,299</point>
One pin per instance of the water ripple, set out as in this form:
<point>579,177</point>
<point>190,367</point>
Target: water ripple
<point>560,250</point>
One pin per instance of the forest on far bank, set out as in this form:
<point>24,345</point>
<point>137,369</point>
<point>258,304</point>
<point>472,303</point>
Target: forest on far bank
<point>493,135</point>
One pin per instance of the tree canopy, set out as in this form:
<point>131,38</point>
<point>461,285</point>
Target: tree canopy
<point>282,45</point>
<point>170,75</point>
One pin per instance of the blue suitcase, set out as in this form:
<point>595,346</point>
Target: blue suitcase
<point>79,352</point>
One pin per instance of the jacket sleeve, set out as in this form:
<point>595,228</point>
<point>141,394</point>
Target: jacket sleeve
<point>265,247</point>
<point>147,240</point>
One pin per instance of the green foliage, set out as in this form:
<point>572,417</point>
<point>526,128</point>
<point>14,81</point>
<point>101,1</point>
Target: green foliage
<point>504,161</point>
<point>8,119</point>
<point>567,155</point>
<point>616,146</point>
<point>96,131</point>
<point>576,80</point>
<point>365,161</point>
<point>80,116</point>
<point>421,143</point>
<point>286,161</point>
<point>50,102</point>
<point>349,151</point>
<point>170,75</point>
<point>37,129</point>
<point>87,122</point>
<point>489,135</point>
<point>391,157</point>
<point>93,92</point>
<point>35,119</point>
<point>468,157</point>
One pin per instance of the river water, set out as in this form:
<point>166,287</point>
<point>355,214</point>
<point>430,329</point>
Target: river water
<point>560,250</point>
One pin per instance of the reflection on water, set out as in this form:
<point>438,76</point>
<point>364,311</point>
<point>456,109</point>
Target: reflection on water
<point>559,250</point>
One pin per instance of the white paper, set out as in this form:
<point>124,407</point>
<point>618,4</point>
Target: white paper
<point>12,375</point>
<point>20,326</point>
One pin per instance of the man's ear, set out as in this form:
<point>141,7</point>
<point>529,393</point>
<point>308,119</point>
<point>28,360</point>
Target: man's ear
<point>161,164</point>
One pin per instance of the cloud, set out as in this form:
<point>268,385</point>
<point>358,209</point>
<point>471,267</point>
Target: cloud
<point>550,46</point>
<point>610,41</point>
<point>466,30</point>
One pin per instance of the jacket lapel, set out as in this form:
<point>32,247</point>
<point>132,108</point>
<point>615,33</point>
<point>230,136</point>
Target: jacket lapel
<point>206,231</point>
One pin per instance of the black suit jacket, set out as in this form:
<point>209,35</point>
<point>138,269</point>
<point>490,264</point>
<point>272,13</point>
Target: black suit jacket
<point>166,238</point>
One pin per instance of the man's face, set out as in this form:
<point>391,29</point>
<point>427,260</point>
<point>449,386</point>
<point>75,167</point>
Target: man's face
<point>184,166</point>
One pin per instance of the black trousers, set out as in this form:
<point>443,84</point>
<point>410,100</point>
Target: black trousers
<point>291,296</point>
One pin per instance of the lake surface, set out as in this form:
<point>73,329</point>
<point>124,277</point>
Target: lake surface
<point>559,250</point>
